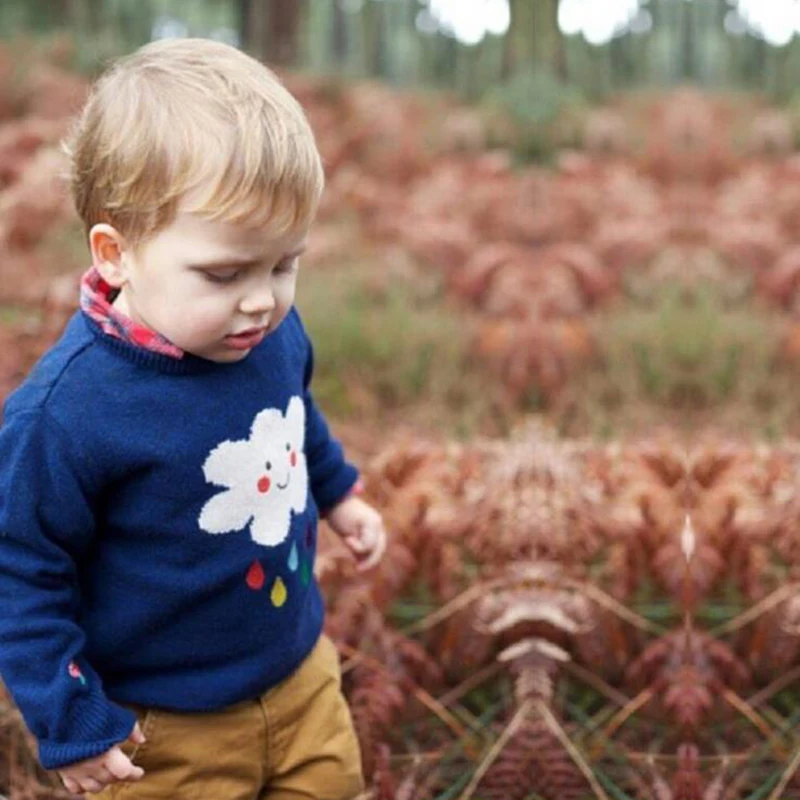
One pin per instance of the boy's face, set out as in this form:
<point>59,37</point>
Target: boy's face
<point>214,289</point>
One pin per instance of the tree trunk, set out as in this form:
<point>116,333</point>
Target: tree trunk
<point>549,42</point>
<point>339,35</point>
<point>534,40</point>
<point>253,28</point>
<point>372,27</point>
<point>284,18</point>
<point>245,17</point>
<point>687,28</point>
<point>59,12</point>
<point>521,52</point>
<point>86,15</point>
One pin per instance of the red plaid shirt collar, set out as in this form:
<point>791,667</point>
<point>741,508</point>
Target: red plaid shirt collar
<point>96,299</point>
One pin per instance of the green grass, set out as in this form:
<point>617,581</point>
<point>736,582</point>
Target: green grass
<point>689,349</point>
<point>387,348</point>
<point>11,314</point>
<point>390,349</point>
<point>64,247</point>
<point>684,355</point>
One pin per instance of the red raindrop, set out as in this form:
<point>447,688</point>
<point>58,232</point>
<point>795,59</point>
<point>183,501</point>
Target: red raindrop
<point>255,576</point>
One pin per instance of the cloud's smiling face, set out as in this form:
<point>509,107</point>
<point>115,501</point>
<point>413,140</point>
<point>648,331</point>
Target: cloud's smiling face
<point>270,480</point>
<point>265,477</point>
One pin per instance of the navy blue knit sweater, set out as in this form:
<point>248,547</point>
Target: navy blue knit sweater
<point>158,523</point>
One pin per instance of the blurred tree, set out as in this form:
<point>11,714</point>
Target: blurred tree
<point>41,14</point>
<point>374,51</point>
<point>534,40</point>
<point>401,40</point>
<point>87,15</point>
<point>284,20</point>
<point>338,34</point>
<point>270,29</point>
<point>245,20</point>
<point>688,34</point>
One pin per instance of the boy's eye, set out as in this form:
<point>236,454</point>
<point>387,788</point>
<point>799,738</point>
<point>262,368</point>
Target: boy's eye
<point>222,276</point>
<point>286,266</point>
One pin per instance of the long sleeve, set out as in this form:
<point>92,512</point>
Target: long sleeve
<point>330,475</point>
<point>46,522</point>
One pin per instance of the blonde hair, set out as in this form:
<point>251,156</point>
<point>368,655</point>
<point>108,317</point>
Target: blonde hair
<point>198,123</point>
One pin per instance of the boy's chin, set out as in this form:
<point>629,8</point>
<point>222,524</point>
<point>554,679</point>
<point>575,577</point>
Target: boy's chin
<point>226,355</point>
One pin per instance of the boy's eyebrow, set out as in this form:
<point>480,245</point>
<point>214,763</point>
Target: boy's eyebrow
<point>226,262</point>
<point>219,263</point>
<point>299,250</point>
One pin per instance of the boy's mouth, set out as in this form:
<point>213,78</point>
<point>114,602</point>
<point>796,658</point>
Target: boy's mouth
<point>246,339</point>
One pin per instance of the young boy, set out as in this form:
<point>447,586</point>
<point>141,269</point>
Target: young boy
<point>163,468</point>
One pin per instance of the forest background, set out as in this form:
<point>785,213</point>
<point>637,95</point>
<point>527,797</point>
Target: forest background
<point>554,293</point>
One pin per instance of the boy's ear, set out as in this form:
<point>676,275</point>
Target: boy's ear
<point>108,247</point>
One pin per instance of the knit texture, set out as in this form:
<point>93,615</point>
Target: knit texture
<point>158,528</point>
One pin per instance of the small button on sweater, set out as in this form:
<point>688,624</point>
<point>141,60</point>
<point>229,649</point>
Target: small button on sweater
<point>158,527</point>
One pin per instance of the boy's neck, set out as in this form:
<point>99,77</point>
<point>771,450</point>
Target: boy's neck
<point>117,299</point>
<point>109,308</point>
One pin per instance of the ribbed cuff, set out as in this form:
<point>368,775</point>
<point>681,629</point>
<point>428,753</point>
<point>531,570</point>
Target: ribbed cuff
<point>335,489</point>
<point>98,728</point>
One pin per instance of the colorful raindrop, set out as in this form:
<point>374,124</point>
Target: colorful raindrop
<point>255,576</point>
<point>279,593</point>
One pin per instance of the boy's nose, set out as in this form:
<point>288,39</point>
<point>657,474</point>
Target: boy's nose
<point>258,302</point>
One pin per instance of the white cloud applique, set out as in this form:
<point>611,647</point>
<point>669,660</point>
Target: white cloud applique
<point>265,477</point>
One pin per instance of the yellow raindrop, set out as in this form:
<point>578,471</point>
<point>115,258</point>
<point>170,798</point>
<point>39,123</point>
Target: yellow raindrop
<point>279,593</point>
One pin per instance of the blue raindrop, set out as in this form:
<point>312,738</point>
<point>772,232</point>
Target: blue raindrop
<point>293,560</point>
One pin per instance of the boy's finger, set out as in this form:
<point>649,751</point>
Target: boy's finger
<point>368,563</point>
<point>356,544</point>
<point>70,785</point>
<point>377,536</point>
<point>121,767</point>
<point>375,556</point>
<point>91,785</point>
<point>136,736</point>
<point>104,775</point>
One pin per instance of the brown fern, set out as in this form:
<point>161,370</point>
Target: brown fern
<point>533,762</point>
<point>687,670</point>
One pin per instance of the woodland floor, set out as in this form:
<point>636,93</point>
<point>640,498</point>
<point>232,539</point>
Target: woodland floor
<point>574,391</point>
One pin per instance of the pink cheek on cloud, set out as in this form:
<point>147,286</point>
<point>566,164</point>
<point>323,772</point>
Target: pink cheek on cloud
<point>263,484</point>
<point>293,458</point>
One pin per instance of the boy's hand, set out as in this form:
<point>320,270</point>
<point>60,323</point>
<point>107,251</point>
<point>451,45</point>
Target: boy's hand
<point>361,528</point>
<point>94,774</point>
